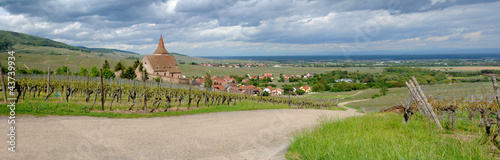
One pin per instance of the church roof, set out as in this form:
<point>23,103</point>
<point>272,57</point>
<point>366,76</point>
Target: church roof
<point>161,47</point>
<point>161,63</point>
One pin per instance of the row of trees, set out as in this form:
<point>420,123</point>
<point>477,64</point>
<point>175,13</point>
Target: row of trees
<point>126,72</point>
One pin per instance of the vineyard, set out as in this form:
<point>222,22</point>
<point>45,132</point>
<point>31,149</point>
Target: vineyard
<point>480,108</point>
<point>132,96</point>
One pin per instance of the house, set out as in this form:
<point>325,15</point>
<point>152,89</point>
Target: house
<point>310,75</point>
<point>269,89</point>
<point>160,64</point>
<point>306,89</point>
<point>273,92</point>
<point>217,88</point>
<point>250,89</point>
<point>277,92</point>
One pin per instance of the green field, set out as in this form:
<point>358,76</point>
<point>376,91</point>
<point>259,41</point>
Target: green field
<point>196,70</point>
<point>384,136</point>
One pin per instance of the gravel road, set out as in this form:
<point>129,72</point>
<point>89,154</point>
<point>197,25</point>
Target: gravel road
<point>258,134</point>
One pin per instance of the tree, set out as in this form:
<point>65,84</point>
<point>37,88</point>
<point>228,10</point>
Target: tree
<point>108,73</point>
<point>141,67</point>
<point>287,89</point>
<point>83,71</point>
<point>62,71</point>
<point>318,87</point>
<point>105,65</point>
<point>300,92</point>
<point>208,81</point>
<point>128,73</point>
<point>265,93</point>
<point>119,67</point>
<point>136,63</point>
<point>94,72</point>
<point>145,71</point>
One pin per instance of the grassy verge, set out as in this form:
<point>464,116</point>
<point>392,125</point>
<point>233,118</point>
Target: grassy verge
<point>353,107</point>
<point>384,136</point>
<point>76,109</point>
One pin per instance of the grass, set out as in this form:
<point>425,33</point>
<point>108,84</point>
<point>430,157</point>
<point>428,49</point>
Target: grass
<point>197,70</point>
<point>464,68</point>
<point>440,91</point>
<point>76,109</point>
<point>332,95</point>
<point>384,136</point>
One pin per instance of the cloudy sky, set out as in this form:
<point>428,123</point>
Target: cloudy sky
<point>260,27</point>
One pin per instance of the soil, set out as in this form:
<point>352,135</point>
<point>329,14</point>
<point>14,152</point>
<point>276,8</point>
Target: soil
<point>395,109</point>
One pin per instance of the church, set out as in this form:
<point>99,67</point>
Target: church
<point>160,64</point>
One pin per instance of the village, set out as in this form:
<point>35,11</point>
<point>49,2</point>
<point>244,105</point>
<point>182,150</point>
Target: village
<point>162,65</point>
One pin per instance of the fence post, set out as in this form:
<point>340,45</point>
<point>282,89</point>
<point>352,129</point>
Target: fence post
<point>102,90</point>
<point>426,103</point>
<point>3,85</point>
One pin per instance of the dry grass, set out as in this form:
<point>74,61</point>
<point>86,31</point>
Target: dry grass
<point>466,68</point>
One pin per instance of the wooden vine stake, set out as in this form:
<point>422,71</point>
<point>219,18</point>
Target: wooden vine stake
<point>424,106</point>
<point>495,87</point>
<point>3,86</point>
<point>497,97</point>
<point>102,90</point>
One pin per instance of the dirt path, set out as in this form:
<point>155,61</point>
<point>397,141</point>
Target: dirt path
<point>353,94</point>
<point>259,134</point>
<point>342,104</point>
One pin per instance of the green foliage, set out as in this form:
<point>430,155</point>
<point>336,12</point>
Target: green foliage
<point>383,136</point>
<point>136,63</point>
<point>128,73</point>
<point>94,72</point>
<point>318,87</point>
<point>119,67</point>
<point>265,94</point>
<point>108,73</point>
<point>287,89</point>
<point>25,71</point>
<point>105,65</point>
<point>300,92</point>
<point>141,67</point>
<point>9,39</point>
<point>83,71</point>
<point>208,81</point>
<point>157,79</point>
<point>375,96</point>
<point>384,90</point>
<point>62,70</point>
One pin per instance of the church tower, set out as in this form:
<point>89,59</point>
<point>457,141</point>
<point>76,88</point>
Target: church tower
<point>161,47</point>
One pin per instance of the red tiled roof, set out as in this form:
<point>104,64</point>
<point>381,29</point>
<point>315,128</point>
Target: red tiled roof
<point>162,62</point>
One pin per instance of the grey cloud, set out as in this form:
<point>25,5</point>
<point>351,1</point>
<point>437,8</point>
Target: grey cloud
<point>268,21</point>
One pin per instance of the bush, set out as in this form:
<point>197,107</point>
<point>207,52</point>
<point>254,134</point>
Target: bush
<point>300,92</point>
<point>375,96</point>
<point>265,93</point>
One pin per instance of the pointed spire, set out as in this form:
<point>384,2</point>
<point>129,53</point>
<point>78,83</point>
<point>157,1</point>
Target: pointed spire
<point>161,47</point>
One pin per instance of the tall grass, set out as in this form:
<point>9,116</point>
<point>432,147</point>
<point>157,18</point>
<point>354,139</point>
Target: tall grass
<point>384,136</point>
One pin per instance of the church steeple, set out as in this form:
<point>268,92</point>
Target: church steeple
<point>161,47</point>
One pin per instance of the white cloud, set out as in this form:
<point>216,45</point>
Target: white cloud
<point>474,36</point>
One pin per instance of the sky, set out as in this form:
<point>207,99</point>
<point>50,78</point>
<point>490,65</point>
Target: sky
<point>260,27</point>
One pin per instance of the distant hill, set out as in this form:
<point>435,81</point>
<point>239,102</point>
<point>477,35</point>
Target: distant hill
<point>8,39</point>
<point>105,50</point>
<point>40,53</point>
